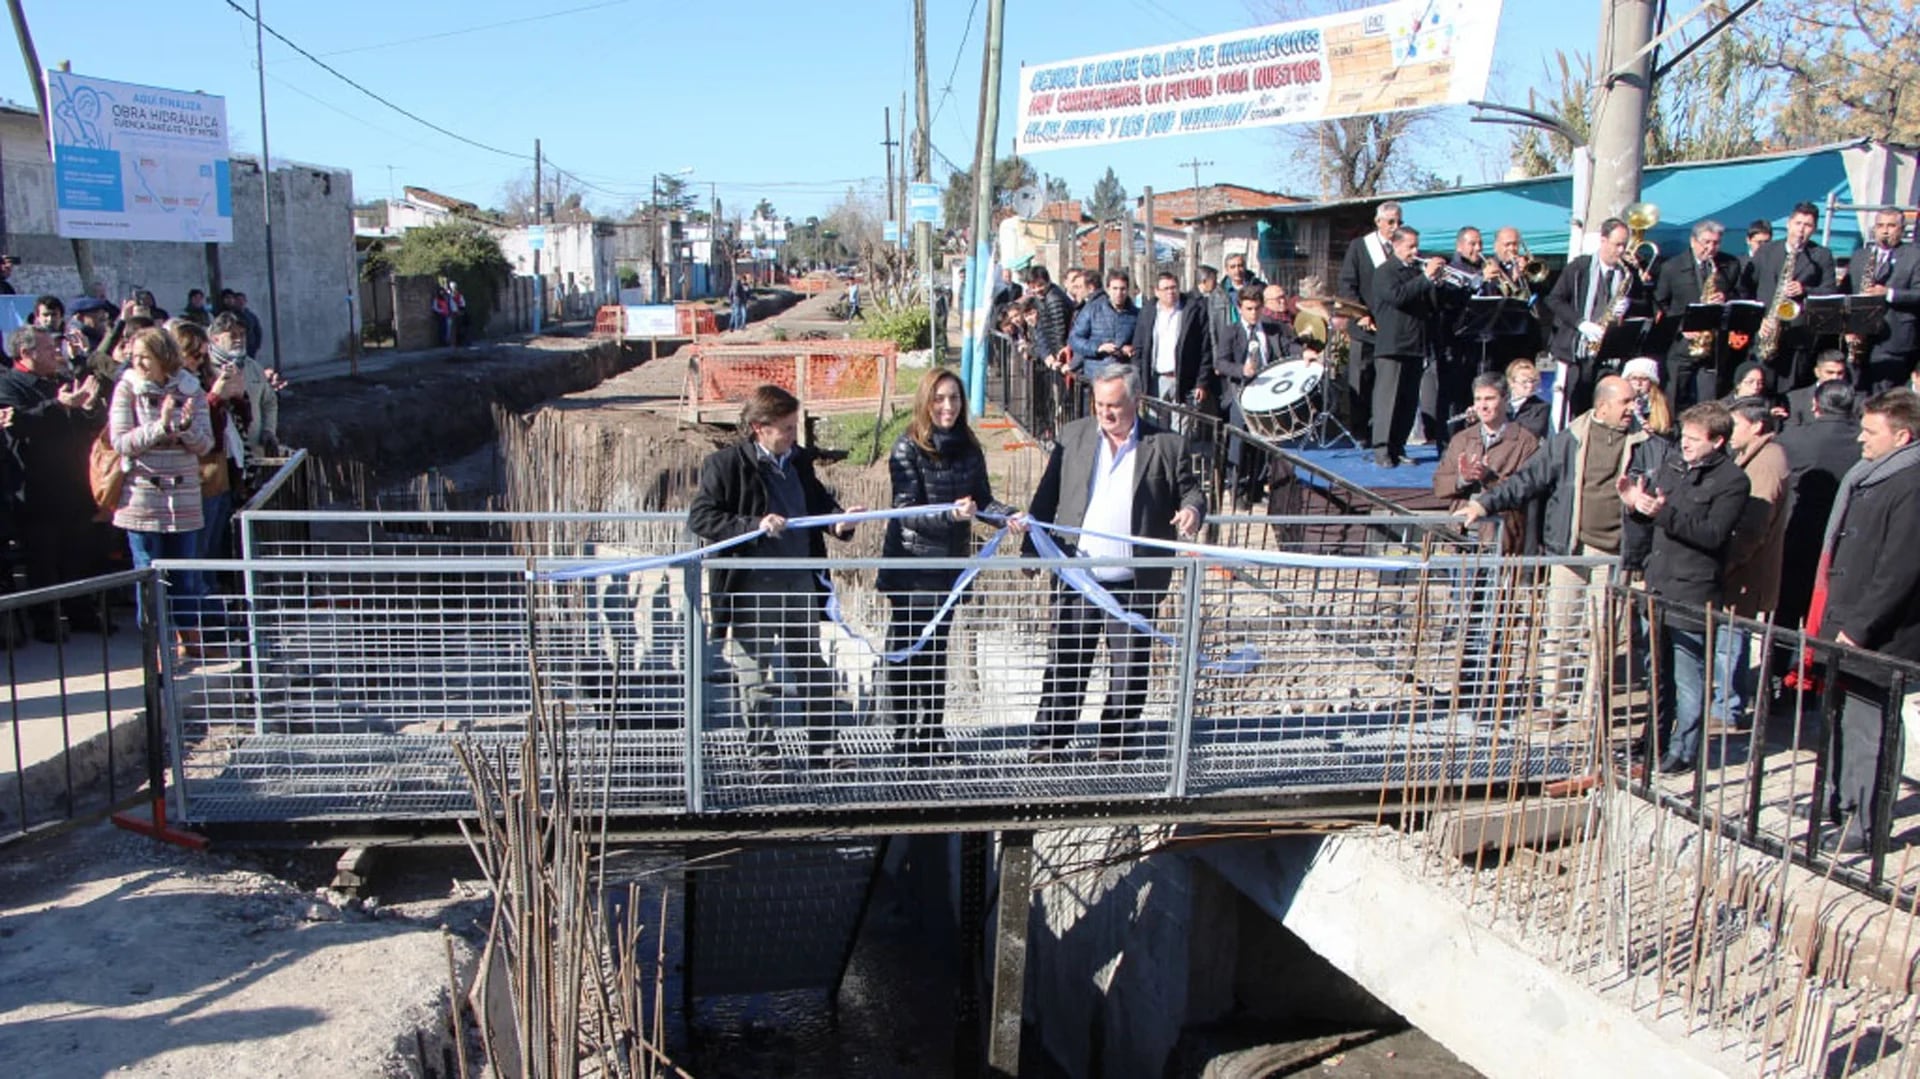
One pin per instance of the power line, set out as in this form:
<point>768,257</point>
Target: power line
<point>415,117</point>
<point>946,91</point>
<point>477,29</point>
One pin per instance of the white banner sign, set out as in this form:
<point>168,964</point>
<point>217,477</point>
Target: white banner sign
<point>138,162</point>
<point>652,320</point>
<point>1408,55</point>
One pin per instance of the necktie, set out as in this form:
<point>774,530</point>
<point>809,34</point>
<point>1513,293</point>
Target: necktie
<point>1602,295</point>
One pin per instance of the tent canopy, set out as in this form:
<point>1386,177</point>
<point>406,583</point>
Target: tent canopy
<point>1734,193</point>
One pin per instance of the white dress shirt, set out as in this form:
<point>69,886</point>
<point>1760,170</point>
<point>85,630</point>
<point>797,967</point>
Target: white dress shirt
<point>1110,504</point>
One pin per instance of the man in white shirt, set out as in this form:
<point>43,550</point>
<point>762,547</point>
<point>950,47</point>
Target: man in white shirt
<point>1173,338</point>
<point>1116,473</point>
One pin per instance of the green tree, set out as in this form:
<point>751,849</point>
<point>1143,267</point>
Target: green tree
<point>1010,174</point>
<point>463,252</point>
<point>1107,204</point>
<point>1057,190</point>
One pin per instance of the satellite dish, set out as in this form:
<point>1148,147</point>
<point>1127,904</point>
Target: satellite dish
<point>1026,201</point>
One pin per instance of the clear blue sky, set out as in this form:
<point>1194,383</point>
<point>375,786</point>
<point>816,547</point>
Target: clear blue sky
<point>767,99</point>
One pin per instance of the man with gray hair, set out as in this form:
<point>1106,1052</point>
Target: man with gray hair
<point>1364,256</point>
<point>1116,473</point>
<point>1700,274</point>
<point>1887,267</point>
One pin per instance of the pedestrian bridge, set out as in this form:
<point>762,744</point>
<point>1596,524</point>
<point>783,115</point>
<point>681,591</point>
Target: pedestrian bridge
<point>354,651</point>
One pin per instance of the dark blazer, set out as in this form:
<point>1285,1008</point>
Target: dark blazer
<point>1163,482</point>
<point>1818,454</point>
<point>1873,587</point>
<point>1193,353</point>
<point>1405,305</point>
<point>1812,267</point>
<point>1568,303</point>
<point>1356,280</point>
<point>1903,309</point>
<point>1230,356</point>
<point>731,500</point>
<point>1533,415</point>
<point>1678,284</point>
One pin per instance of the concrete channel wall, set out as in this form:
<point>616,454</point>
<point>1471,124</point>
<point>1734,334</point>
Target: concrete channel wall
<point>1129,960</point>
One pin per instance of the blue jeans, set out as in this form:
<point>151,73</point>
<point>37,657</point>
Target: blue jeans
<point>1732,674</point>
<point>186,590</point>
<point>737,320</point>
<point>1682,690</point>
<point>211,540</point>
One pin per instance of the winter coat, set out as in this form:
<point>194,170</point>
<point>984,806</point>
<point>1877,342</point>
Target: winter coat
<point>162,492</point>
<point>1556,474</point>
<point>1511,449</point>
<point>922,478</point>
<point>1873,582</point>
<point>1056,318</point>
<point>1693,532</point>
<point>1760,539</point>
<point>731,501</point>
<point>1818,454</point>
<point>46,448</point>
<point>1098,324</point>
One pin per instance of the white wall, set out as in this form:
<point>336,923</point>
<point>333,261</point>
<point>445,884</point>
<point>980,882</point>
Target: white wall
<point>312,235</point>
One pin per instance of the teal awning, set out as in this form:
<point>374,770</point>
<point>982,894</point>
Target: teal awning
<point>1734,193</point>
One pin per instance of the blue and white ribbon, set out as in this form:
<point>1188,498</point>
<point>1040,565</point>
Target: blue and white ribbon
<point>662,561</point>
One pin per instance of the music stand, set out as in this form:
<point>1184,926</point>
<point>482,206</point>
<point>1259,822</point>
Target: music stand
<point>1620,343</point>
<point>1324,429</point>
<point>1862,315</point>
<point>1480,319</point>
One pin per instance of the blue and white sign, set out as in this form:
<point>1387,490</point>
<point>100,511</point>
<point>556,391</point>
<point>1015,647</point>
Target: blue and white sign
<point>890,232</point>
<point>138,162</point>
<point>536,237</point>
<point>923,203</point>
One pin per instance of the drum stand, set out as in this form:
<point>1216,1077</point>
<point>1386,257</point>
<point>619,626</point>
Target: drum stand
<point>1324,429</point>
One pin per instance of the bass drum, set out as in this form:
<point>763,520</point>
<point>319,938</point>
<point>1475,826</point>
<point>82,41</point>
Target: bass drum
<point>1278,403</point>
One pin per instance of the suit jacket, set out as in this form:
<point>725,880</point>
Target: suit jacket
<point>1568,304</point>
<point>1163,482</point>
<point>1812,267</point>
<point>1678,285</point>
<point>1903,308</point>
<point>1230,356</point>
<point>1193,352</point>
<point>1356,279</point>
<point>1404,308</point>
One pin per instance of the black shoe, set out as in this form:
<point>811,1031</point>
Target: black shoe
<point>1675,766</point>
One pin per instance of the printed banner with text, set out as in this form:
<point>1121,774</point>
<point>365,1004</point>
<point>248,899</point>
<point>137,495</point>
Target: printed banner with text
<point>138,162</point>
<point>1407,55</point>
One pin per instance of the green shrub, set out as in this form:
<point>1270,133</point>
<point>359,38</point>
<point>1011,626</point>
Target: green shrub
<point>463,252</point>
<point>854,432</point>
<point>908,326</point>
<point>629,277</point>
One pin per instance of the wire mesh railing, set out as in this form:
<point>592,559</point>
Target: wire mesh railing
<point>339,672</point>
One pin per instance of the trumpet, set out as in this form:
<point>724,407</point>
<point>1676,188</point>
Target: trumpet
<point>1454,277</point>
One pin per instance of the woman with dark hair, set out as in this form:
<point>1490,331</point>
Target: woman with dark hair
<point>1755,379</point>
<point>937,460</point>
<point>159,427</point>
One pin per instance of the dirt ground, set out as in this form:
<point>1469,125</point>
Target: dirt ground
<point>120,955</point>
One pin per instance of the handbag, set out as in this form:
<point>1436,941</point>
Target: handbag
<point>105,478</point>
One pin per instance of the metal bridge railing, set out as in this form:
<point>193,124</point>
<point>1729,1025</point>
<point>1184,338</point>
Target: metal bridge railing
<point>1766,767</point>
<point>338,686</point>
<point>82,733</point>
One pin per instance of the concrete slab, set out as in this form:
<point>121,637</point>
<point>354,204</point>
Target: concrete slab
<point>1356,901</point>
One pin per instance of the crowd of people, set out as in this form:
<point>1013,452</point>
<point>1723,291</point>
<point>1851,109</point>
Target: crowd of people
<point>167,410</point>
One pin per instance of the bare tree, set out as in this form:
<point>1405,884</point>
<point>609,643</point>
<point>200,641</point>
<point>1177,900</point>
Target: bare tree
<point>567,198</point>
<point>1847,66</point>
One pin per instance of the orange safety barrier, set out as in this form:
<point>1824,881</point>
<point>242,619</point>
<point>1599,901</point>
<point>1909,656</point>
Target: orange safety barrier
<point>610,321</point>
<point>827,376</point>
<point>694,319</point>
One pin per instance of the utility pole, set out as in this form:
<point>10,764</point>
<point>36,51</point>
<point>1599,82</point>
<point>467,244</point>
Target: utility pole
<point>973,360</point>
<point>923,173</point>
<point>539,307</point>
<point>266,184</point>
<point>1619,141</point>
<point>902,219</point>
<point>1149,265</point>
<point>82,249</point>
<point>1193,227</point>
<point>886,140</point>
<point>653,242</point>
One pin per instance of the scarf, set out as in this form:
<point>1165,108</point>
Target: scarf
<point>1864,474</point>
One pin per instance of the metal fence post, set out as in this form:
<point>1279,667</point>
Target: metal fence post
<point>1886,779</point>
<point>696,643</point>
<point>1189,679</point>
<point>252,599</point>
<point>156,636</point>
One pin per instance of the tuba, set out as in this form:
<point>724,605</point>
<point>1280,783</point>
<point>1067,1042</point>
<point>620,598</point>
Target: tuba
<point>1640,217</point>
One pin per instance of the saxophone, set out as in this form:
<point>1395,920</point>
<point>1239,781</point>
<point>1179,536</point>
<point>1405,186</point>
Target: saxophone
<point>1767,340</point>
<point>1616,304</point>
<point>1700,343</point>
